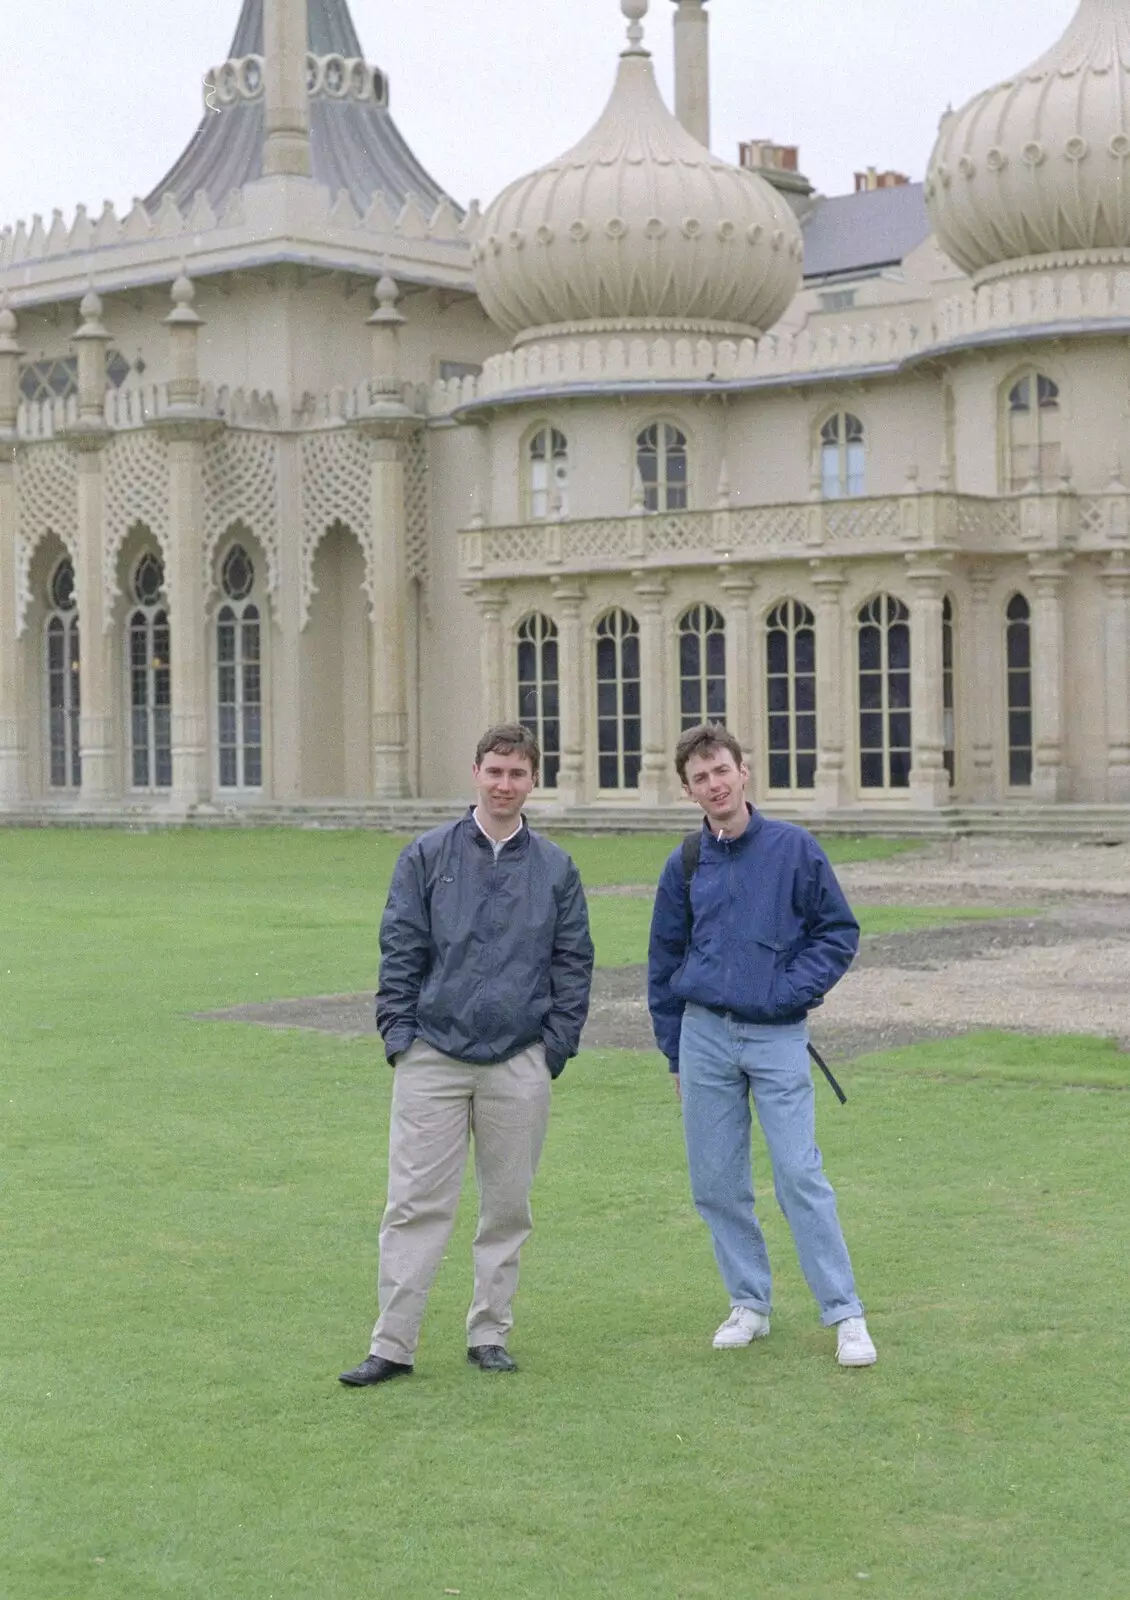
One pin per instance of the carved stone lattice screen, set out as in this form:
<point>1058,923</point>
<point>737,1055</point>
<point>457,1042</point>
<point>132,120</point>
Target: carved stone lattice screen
<point>136,478</point>
<point>241,485</point>
<point>337,486</point>
<point>417,509</point>
<point>48,503</point>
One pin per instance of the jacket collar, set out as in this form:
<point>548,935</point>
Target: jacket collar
<point>512,847</point>
<point>756,823</point>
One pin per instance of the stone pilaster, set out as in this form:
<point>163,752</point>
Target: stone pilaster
<point>13,722</point>
<point>1116,633</point>
<point>650,589</point>
<point>388,422</point>
<point>1049,770</point>
<point>831,787</point>
<point>981,644</point>
<point>568,599</point>
<point>101,761</point>
<point>185,431</point>
<point>929,780</point>
<point>738,585</point>
<point>491,601</point>
<point>389,689</point>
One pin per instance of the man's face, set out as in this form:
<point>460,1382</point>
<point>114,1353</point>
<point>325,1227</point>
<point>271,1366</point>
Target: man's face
<point>504,784</point>
<point>717,783</point>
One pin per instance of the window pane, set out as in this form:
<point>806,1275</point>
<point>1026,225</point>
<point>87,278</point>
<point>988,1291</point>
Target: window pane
<point>898,645</point>
<point>779,776</point>
<point>870,649</point>
<point>900,769</point>
<point>871,730</point>
<point>806,650</point>
<point>870,691</point>
<point>871,771</point>
<point>806,694</point>
<point>609,772</point>
<point>1020,768</point>
<point>778,692</point>
<point>780,731</point>
<point>777,651</point>
<point>1019,644</point>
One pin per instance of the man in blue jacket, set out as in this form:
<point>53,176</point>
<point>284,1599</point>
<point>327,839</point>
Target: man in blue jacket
<point>486,966</point>
<point>738,957</point>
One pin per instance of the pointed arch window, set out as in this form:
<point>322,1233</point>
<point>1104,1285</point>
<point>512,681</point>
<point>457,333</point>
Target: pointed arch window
<point>539,691</point>
<point>661,461</point>
<point>1018,655</point>
<point>1035,441</point>
<point>618,721</point>
<point>547,475</point>
<point>790,695</point>
<point>702,667</point>
<point>150,682</point>
<point>884,694</point>
<point>63,680</point>
<point>949,721</point>
<point>239,678</point>
<point>843,457</point>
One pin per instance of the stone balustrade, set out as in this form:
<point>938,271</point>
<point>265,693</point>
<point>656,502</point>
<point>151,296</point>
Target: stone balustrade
<point>138,405</point>
<point>891,525</point>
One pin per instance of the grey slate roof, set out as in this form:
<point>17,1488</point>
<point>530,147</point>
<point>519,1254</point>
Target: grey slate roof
<point>354,144</point>
<point>866,231</point>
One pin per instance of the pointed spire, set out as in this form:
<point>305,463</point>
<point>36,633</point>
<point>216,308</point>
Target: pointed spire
<point>286,151</point>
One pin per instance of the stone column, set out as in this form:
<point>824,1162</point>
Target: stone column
<point>929,781</point>
<point>738,584</point>
<point>982,679</point>
<point>1050,777</point>
<point>1116,630</point>
<point>101,770</point>
<point>185,431</point>
<point>830,790</point>
<point>286,115</point>
<point>13,721</point>
<point>388,422</point>
<point>491,600</point>
<point>651,587</point>
<point>692,68</point>
<point>568,597</point>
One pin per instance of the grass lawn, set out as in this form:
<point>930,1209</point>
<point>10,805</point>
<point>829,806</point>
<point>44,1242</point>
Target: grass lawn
<point>639,857</point>
<point>620,923</point>
<point>187,1247</point>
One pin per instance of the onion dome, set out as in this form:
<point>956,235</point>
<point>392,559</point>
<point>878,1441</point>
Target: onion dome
<point>1040,164</point>
<point>638,223</point>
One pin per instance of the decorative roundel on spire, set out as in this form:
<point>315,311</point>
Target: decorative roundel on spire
<point>1040,164</point>
<point>637,222</point>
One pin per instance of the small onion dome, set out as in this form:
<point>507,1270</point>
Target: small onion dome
<point>1040,164</point>
<point>638,221</point>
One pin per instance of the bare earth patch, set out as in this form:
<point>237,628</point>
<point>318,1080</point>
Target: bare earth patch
<point>1067,971</point>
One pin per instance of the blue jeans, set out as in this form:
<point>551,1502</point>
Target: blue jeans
<point>721,1060</point>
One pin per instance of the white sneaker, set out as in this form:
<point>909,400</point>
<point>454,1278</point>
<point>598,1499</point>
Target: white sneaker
<point>854,1346</point>
<point>742,1326</point>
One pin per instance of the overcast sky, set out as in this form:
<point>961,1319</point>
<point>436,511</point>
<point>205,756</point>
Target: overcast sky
<point>100,96</point>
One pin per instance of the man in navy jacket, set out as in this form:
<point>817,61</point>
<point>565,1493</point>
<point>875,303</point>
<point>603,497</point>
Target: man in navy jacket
<point>731,980</point>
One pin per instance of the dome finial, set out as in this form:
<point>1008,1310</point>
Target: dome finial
<point>635,11</point>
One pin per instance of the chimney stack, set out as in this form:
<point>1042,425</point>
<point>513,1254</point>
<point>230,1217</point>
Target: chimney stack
<point>871,179</point>
<point>692,68</point>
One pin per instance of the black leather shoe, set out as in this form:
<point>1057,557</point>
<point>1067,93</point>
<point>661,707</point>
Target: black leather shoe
<point>491,1358</point>
<point>374,1369</point>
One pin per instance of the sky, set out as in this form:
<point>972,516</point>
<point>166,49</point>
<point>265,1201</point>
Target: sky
<point>101,96</point>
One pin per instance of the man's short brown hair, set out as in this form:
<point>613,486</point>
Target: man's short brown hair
<point>509,739</point>
<point>703,741</point>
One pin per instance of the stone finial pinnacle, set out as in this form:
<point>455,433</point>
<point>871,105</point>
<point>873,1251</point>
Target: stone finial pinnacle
<point>635,11</point>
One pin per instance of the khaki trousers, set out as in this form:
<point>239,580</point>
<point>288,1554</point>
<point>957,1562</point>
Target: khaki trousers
<point>437,1104</point>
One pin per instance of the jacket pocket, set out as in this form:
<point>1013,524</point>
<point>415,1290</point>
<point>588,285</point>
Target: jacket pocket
<point>762,963</point>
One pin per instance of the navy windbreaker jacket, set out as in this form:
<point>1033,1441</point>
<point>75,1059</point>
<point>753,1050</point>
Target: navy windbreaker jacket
<point>772,931</point>
<point>483,957</point>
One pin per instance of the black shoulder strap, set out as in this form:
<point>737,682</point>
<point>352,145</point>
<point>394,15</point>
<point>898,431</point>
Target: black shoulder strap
<point>690,851</point>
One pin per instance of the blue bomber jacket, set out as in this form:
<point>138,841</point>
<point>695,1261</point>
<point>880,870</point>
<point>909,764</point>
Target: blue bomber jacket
<point>482,956</point>
<point>772,932</point>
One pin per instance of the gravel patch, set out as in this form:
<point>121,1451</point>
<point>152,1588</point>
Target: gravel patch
<point>1065,971</point>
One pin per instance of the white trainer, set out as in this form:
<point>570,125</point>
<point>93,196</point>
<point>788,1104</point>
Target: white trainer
<point>854,1345</point>
<point>742,1326</point>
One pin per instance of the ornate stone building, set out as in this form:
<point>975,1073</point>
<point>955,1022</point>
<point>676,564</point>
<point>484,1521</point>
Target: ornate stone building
<point>305,472</point>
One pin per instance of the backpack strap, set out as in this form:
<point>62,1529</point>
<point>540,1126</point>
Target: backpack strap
<point>689,852</point>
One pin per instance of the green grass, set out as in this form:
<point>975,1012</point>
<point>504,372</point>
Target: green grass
<point>620,923</point>
<point>187,1247</point>
<point>639,857</point>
